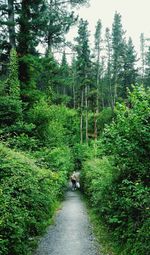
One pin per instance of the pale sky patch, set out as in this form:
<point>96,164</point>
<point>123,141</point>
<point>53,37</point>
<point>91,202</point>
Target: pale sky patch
<point>135,17</point>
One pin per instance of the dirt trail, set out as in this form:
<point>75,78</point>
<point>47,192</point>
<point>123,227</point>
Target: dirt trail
<point>71,234</point>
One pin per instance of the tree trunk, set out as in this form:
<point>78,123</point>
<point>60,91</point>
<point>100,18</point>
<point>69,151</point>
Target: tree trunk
<point>97,84</point>
<point>74,96</point>
<point>110,94</point>
<point>86,107</point>
<point>115,83</point>
<point>115,91</point>
<point>102,95</point>
<point>95,126</point>
<point>49,43</point>
<point>81,119</point>
<point>142,48</point>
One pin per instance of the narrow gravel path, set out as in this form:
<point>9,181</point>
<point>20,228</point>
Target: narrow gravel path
<point>71,234</point>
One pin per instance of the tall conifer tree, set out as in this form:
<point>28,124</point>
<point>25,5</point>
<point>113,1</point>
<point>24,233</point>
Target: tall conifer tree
<point>147,69</point>
<point>65,75</point>
<point>129,73</point>
<point>118,47</point>
<point>143,56</point>
<point>97,50</point>
<point>83,71</point>
<point>108,73</point>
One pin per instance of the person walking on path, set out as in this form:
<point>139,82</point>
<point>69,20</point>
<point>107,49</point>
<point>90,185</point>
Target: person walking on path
<point>74,181</point>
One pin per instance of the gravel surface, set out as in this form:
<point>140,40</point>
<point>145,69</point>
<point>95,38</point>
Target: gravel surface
<point>71,233</point>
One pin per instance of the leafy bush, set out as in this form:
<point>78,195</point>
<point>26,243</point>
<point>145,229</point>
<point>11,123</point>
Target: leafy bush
<point>10,101</point>
<point>55,125</point>
<point>10,111</point>
<point>120,191</point>
<point>81,153</point>
<point>27,198</point>
<point>123,206</point>
<point>128,138</point>
<point>125,212</point>
<point>23,142</point>
<point>97,175</point>
<point>104,117</point>
<point>57,159</point>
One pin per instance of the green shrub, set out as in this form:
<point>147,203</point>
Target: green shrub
<point>128,138</point>
<point>120,191</point>
<point>104,117</point>
<point>10,111</point>
<point>27,198</point>
<point>81,153</point>
<point>23,142</point>
<point>10,101</point>
<point>97,175</point>
<point>58,159</point>
<point>55,125</point>
<point>124,207</point>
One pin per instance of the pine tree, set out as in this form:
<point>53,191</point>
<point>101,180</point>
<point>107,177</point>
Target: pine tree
<point>143,55</point>
<point>59,17</point>
<point>97,50</point>
<point>58,22</point>
<point>83,52</point>
<point>65,81</point>
<point>83,66</point>
<point>48,80</point>
<point>74,81</point>
<point>118,47</point>
<point>64,69</point>
<point>129,72</point>
<point>27,36</point>
<point>147,69</point>
<point>108,73</point>
<point>31,21</point>
<point>97,92</point>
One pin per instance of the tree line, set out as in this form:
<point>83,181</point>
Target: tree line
<point>96,79</point>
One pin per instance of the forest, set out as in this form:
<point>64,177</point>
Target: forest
<point>91,114</point>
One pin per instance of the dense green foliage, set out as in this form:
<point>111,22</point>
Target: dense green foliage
<point>28,198</point>
<point>34,170</point>
<point>10,101</point>
<point>117,185</point>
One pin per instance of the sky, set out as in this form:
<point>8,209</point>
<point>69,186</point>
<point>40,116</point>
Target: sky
<point>135,17</point>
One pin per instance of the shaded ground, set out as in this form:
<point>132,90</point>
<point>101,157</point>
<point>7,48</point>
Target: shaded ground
<point>71,234</point>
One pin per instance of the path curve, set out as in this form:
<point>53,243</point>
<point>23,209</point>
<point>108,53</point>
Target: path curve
<point>71,233</point>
